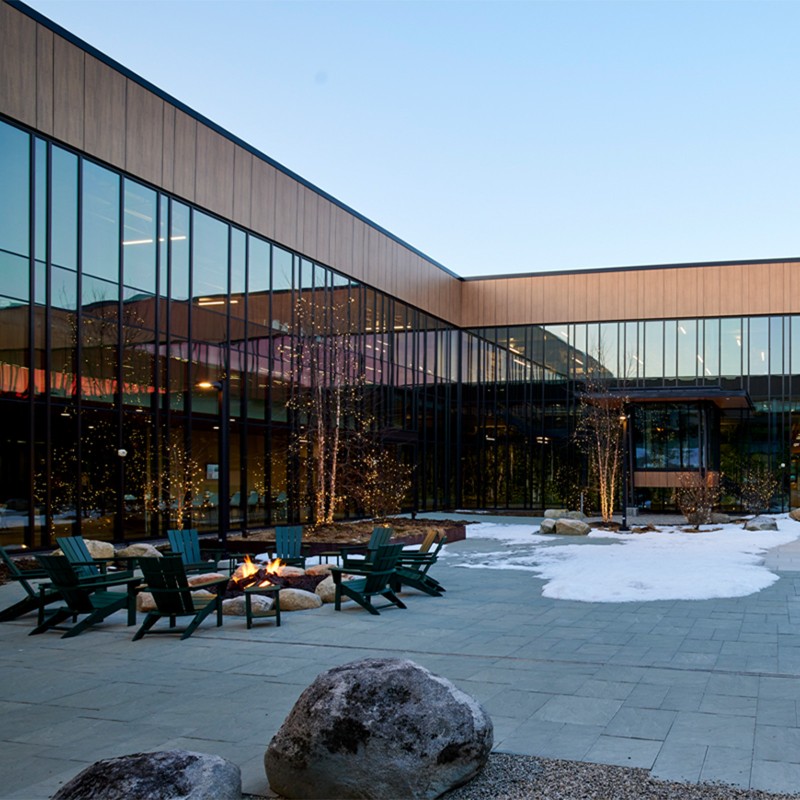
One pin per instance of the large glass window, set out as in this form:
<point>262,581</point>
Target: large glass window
<point>64,210</point>
<point>100,220</point>
<point>209,261</point>
<point>139,237</point>
<point>15,191</point>
<point>667,437</point>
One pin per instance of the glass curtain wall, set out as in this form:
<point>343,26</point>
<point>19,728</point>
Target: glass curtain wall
<point>520,400</point>
<point>117,301</point>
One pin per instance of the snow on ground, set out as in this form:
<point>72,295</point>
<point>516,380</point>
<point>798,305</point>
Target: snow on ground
<point>611,568</point>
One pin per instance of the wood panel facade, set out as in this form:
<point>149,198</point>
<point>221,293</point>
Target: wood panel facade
<point>669,292</point>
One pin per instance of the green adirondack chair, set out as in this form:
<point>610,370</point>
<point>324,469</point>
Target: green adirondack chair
<point>369,580</point>
<point>289,545</point>
<point>36,599</point>
<point>165,578</point>
<point>186,544</point>
<point>412,568</point>
<point>381,535</point>
<point>92,598</point>
<point>77,553</point>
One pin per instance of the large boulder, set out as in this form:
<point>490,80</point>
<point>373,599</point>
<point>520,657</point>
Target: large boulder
<point>555,513</point>
<point>761,524</point>
<point>572,527</point>
<point>795,514</point>
<point>378,729</point>
<point>166,775</point>
<point>575,515</point>
<point>718,518</point>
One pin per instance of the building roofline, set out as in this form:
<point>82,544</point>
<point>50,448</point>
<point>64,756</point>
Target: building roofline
<point>634,268</point>
<point>144,83</point>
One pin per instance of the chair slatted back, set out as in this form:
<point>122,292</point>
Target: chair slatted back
<point>186,544</point>
<point>76,551</point>
<point>167,578</point>
<point>427,542</point>
<point>382,567</point>
<point>66,580</point>
<point>288,541</point>
<point>381,535</point>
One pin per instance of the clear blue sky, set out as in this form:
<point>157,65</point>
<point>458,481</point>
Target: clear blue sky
<point>500,136</point>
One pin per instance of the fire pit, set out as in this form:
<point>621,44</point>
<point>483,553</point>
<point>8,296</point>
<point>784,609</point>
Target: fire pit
<point>249,575</point>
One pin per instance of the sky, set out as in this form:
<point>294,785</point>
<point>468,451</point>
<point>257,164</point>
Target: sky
<point>502,136</point>
<point>603,567</point>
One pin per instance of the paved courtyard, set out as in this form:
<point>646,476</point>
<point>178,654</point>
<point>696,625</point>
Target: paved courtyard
<point>692,690</point>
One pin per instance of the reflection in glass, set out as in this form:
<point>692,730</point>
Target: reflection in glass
<point>14,276</point>
<point>730,341</point>
<point>209,261</point>
<point>139,237</point>
<point>14,190</point>
<point>687,349</point>
<point>100,221</point>
<point>179,252</point>
<point>64,212</point>
<point>759,346</point>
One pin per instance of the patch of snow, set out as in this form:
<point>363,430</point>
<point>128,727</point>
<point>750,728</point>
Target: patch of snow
<point>609,567</point>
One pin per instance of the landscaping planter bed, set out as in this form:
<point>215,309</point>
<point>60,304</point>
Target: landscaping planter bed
<point>333,537</point>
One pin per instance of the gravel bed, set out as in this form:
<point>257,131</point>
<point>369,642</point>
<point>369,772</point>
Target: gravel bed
<point>512,777</point>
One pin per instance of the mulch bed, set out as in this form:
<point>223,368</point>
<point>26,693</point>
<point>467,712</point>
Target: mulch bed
<point>355,533</point>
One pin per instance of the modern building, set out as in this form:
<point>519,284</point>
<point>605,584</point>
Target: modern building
<point>144,250</point>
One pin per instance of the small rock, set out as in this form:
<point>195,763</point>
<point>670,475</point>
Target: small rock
<point>572,527</point>
<point>327,590</point>
<point>299,600</point>
<point>319,569</point>
<point>286,571</point>
<point>258,602</point>
<point>138,550</point>
<point>761,524</point>
<point>547,526</point>
<point>165,775</point>
<point>203,578</point>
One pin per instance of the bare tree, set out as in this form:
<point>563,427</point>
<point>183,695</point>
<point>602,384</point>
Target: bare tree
<point>327,380</point>
<point>598,432</point>
<point>697,495</point>
<point>757,488</point>
<point>174,489</point>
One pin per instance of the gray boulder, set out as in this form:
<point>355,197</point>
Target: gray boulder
<point>547,526</point>
<point>166,775</point>
<point>761,524</point>
<point>378,729</point>
<point>137,550</point>
<point>718,518</point>
<point>572,527</point>
<point>555,513</point>
<point>575,515</point>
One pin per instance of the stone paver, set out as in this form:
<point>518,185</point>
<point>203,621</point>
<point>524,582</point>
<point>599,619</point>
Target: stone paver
<point>695,691</point>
